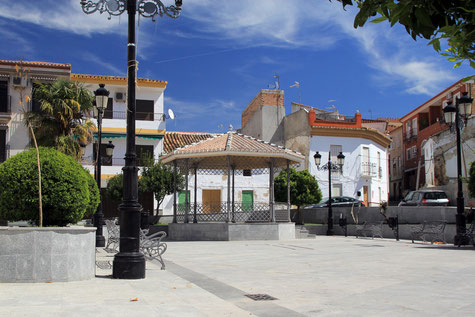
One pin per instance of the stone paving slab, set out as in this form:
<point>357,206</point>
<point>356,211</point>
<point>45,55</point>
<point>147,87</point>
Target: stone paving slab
<point>326,276</point>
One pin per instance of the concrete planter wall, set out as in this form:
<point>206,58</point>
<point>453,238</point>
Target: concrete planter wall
<point>231,231</point>
<point>47,254</point>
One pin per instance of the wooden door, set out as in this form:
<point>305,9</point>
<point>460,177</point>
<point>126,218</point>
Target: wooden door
<point>365,195</point>
<point>211,200</point>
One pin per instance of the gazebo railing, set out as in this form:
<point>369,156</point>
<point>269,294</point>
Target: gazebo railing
<point>242,212</point>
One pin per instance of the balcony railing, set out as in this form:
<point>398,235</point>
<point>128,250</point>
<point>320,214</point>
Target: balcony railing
<point>107,161</point>
<point>369,169</point>
<point>141,116</point>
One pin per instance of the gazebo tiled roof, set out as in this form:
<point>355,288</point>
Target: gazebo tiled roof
<point>244,152</point>
<point>173,139</point>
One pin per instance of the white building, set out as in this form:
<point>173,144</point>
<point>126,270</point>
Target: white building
<point>308,130</point>
<point>16,83</point>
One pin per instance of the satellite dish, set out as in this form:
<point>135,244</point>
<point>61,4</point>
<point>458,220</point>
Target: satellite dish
<point>171,114</point>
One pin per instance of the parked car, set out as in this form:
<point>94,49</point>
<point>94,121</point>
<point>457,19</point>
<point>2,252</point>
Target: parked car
<point>425,198</point>
<point>339,201</point>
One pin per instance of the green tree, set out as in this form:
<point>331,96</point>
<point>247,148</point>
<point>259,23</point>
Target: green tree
<point>61,122</point>
<point>115,187</point>
<point>471,180</point>
<point>304,189</point>
<point>435,20</point>
<point>66,191</point>
<point>94,196</point>
<point>158,179</point>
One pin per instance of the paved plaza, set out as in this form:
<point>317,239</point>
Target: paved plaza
<point>326,276</point>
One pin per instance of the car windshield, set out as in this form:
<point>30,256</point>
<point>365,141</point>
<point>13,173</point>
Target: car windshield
<point>435,195</point>
<point>409,196</point>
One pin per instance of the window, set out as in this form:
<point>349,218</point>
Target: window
<point>4,102</point>
<point>334,152</point>
<point>35,104</point>
<point>3,145</point>
<point>247,172</point>
<point>337,190</point>
<point>408,129</point>
<point>365,161</point>
<point>109,111</point>
<point>144,110</point>
<point>414,127</point>
<point>144,154</point>
<point>380,170</point>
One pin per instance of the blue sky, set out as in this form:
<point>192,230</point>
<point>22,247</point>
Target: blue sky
<point>219,54</point>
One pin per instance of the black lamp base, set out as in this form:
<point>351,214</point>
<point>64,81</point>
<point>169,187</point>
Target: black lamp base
<point>129,266</point>
<point>100,241</point>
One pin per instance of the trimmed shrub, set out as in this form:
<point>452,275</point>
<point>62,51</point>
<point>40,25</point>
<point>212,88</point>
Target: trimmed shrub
<point>94,196</point>
<point>65,188</point>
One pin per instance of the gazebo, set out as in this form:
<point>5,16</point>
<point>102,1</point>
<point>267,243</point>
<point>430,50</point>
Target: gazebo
<point>231,154</point>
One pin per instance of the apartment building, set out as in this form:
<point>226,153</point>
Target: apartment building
<point>419,125</point>
<point>17,79</point>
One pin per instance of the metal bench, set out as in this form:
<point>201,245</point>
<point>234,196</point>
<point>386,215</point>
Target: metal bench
<point>150,245</point>
<point>371,229</point>
<point>113,233</point>
<point>432,231</point>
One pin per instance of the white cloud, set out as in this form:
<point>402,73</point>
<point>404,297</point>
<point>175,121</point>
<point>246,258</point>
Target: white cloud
<point>311,24</point>
<point>216,109</point>
<point>64,15</point>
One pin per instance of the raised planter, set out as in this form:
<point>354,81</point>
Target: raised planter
<point>47,254</point>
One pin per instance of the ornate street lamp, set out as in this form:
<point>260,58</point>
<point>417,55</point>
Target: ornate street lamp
<point>454,114</point>
<point>100,104</point>
<point>129,263</point>
<point>330,167</point>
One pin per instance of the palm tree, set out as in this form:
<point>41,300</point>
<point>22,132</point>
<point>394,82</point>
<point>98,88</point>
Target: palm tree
<point>61,121</point>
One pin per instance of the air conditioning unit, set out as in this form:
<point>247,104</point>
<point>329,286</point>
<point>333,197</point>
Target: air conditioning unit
<point>120,96</point>
<point>18,81</point>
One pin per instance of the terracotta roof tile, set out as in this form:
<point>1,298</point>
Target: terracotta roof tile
<point>174,140</point>
<point>36,64</point>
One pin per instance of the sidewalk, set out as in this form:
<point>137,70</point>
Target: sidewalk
<point>326,276</point>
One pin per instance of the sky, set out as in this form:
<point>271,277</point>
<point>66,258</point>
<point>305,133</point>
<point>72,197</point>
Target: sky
<point>218,55</point>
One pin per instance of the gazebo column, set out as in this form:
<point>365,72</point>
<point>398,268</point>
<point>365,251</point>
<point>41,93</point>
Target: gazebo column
<point>187,203</point>
<point>271,191</point>
<point>232,205</point>
<point>288,190</point>
<point>174,191</point>
<point>195,220</point>
<point>228,203</point>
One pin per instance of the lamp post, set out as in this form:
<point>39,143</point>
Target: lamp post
<point>454,114</point>
<point>129,263</point>
<point>330,167</point>
<point>101,99</point>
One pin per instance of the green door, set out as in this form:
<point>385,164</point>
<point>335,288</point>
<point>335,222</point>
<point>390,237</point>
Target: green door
<point>181,199</point>
<point>247,200</point>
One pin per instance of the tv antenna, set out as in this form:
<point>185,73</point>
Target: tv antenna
<point>276,83</point>
<point>297,84</point>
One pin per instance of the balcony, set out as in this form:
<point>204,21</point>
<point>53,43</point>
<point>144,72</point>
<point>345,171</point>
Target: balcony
<point>369,169</point>
<point>122,115</point>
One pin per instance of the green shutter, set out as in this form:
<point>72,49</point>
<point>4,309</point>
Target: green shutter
<point>247,200</point>
<point>181,199</point>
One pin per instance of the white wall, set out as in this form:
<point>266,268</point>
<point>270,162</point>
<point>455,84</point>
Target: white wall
<point>351,179</point>
<point>258,183</point>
